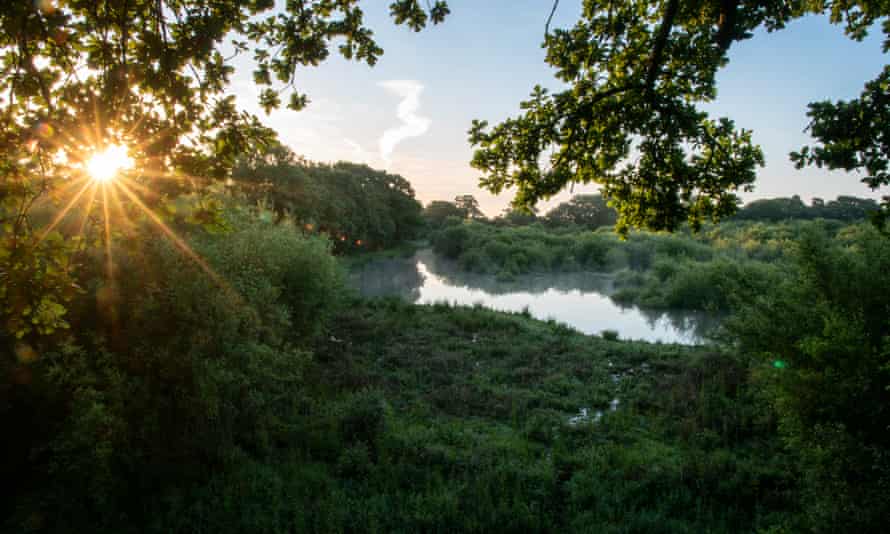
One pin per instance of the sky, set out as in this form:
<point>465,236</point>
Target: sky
<point>411,112</point>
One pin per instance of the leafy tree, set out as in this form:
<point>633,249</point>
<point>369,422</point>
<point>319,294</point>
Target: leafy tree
<point>77,76</point>
<point>774,209</point>
<point>590,211</point>
<point>855,135</point>
<point>517,217</point>
<point>628,120</point>
<point>437,211</point>
<point>469,207</point>
<point>355,205</point>
<point>847,208</point>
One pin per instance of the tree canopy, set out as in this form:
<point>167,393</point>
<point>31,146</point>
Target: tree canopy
<point>147,78</point>
<point>630,121</point>
<point>437,211</point>
<point>357,207</point>
<point>844,208</point>
<point>589,211</point>
<point>469,206</point>
<point>152,73</point>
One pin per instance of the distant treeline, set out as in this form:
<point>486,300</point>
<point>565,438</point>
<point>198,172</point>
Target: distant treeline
<point>356,206</point>
<point>844,208</point>
<point>593,211</point>
<point>587,211</point>
<point>360,208</point>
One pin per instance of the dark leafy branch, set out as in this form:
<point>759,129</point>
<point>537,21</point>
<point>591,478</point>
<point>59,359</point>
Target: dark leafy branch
<point>628,120</point>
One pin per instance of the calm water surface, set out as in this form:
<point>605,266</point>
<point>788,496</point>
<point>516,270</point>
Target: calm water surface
<point>580,300</point>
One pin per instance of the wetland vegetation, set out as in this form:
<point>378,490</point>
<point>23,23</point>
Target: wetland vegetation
<point>203,332</point>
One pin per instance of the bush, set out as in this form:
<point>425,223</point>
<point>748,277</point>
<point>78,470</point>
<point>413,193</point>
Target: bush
<point>451,241</point>
<point>822,337</point>
<point>192,370</point>
<point>363,418</point>
<point>609,335</point>
<point>591,252</point>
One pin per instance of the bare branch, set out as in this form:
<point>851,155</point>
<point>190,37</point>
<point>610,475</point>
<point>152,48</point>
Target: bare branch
<point>664,31</point>
<point>550,18</point>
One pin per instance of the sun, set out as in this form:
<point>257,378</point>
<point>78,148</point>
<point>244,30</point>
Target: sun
<point>105,165</point>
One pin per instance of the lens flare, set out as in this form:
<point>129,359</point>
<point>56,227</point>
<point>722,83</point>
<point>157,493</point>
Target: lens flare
<point>104,166</point>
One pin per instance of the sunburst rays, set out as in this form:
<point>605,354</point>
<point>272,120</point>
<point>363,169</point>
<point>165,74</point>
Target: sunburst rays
<point>104,173</point>
<point>172,236</point>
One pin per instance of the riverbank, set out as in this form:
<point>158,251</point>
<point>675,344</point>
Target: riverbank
<point>709,271</point>
<point>584,300</point>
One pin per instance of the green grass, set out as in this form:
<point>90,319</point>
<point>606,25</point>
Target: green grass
<point>459,419</point>
<point>472,427</point>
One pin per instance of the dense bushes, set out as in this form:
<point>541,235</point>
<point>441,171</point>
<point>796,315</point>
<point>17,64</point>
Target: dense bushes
<point>509,251</point>
<point>711,286</point>
<point>823,336</point>
<point>239,396</point>
<point>175,371</point>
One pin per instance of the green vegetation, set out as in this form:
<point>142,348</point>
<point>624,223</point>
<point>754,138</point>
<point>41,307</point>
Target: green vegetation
<point>584,211</point>
<point>827,325</point>
<point>628,114</point>
<point>410,419</point>
<point>706,271</point>
<point>266,398</point>
<point>714,270</point>
<point>185,358</point>
<point>168,374</point>
<point>358,207</point>
<point>844,208</point>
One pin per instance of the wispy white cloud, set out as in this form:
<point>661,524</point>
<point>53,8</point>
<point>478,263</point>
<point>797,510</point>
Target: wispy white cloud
<point>413,125</point>
<point>359,154</point>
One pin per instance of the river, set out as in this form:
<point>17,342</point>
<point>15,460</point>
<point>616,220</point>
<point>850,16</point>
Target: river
<point>580,300</point>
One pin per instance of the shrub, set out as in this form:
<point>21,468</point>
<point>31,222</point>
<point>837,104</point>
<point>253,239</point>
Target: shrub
<point>609,335</point>
<point>192,370</point>
<point>591,251</point>
<point>451,241</point>
<point>363,418</point>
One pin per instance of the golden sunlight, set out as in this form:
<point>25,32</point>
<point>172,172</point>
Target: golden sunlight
<point>105,165</point>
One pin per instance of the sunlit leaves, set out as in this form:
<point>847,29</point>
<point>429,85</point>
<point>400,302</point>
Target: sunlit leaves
<point>80,74</point>
<point>36,282</point>
<point>411,13</point>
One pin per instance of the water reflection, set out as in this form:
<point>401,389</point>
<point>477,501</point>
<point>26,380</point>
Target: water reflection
<point>580,300</point>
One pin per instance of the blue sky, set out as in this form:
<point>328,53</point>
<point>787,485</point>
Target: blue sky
<point>427,88</point>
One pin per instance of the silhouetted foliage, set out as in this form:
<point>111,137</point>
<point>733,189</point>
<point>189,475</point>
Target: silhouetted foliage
<point>81,76</point>
<point>516,217</point>
<point>438,211</point>
<point>637,73</point>
<point>469,206</point>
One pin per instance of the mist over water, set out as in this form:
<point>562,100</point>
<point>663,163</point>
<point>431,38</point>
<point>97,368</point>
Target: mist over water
<point>580,300</point>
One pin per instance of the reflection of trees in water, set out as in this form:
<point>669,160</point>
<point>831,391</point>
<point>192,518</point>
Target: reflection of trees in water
<point>697,326</point>
<point>387,277</point>
<point>403,277</point>
<point>451,273</point>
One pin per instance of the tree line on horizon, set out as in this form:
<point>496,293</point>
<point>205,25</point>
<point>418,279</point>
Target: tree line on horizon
<point>593,211</point>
